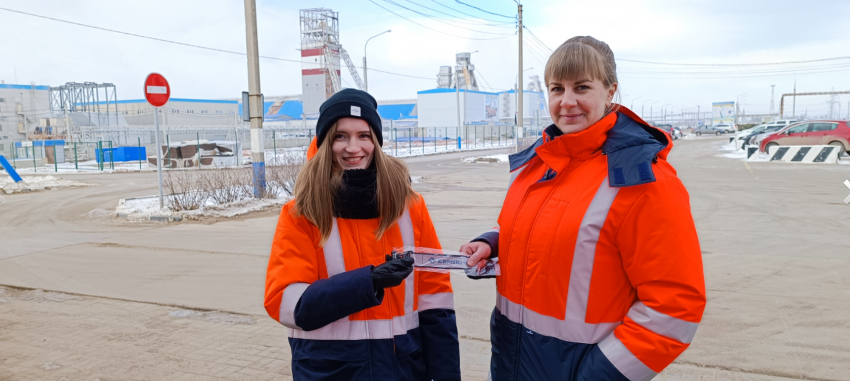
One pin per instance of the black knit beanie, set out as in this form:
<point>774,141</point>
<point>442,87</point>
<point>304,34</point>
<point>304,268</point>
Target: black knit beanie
<point>348,103</point>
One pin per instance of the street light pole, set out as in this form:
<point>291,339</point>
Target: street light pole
<point>642,115</point>
<point>255,105</point>
<point>520,114</point>
<point>365,72</point>
<point>650,110</point>
<point>633,103</point>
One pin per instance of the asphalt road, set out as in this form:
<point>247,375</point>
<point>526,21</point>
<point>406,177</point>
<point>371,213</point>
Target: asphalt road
<point>773,235</point>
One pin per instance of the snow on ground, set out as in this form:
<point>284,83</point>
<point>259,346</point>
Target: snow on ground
<point>501,158</point>
<point>730,151</point>
<point>142,208</point>
<point>90,166</point>
<point>37,183</point>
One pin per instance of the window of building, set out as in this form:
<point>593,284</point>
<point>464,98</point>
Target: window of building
<point>231,111</point>
<point>2,100</point>
<point>190,111</point>
<point>203,111</point>
<point>139,112</point>
<point>218,111</point>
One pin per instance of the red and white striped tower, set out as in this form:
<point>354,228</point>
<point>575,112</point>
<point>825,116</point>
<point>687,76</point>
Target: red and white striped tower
<point>320,57</point>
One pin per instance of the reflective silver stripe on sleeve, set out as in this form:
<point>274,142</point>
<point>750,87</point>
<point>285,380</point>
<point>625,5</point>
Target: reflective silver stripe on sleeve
<point>624,360</point>
<point>443,300</point>
<point>334,260</point>
<point>361,329</point>
<point>567,330</point>
<point>585,251</point>
<point>663,324</point>
<point>515,174</point>
<point>406,227</point>
<point>291,296</point>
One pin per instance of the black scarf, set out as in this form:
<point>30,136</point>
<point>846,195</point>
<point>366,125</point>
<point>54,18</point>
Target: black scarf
<point>357,197</point>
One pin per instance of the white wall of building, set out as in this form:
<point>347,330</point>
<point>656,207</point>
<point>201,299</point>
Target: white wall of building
<point>21,109</point>
<point>438,107</point>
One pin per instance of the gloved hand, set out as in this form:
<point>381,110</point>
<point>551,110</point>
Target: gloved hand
<point>391,273</point>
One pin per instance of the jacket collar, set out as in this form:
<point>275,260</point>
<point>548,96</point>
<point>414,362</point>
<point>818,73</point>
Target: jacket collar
<point>558,149</point>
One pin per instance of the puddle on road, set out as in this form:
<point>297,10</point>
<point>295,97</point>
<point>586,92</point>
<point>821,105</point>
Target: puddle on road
<point>215,317</point>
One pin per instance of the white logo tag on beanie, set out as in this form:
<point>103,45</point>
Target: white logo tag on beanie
<point>355,110</point>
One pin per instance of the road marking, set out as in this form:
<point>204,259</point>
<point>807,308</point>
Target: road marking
<point>748,167</point>
<point>847,184</point>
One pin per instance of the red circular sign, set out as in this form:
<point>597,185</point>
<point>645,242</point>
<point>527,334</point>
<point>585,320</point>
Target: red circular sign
<point>157,91</point>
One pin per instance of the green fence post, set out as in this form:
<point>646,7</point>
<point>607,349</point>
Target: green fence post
<point>76,166</point>
<point>168,147</point>
<point>111,157</point>
<point>236,147</point>
<point>34,169</point>
<point>274,143</point>
<point>435,139</point>
<point>99,149</point>
<point>139,152</point>
<point>409,143</point>
<point>55,161</point>
<point>14,156</point>
<point>198,138</point>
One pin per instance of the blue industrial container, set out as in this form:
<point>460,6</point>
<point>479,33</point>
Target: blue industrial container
<point>121,154</point>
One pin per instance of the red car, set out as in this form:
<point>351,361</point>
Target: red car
<point>813,132</point>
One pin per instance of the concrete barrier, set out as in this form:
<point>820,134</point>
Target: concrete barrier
<point>804,154</point>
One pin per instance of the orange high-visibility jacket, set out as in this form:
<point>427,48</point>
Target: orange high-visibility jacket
<point>602,274</point>
<point>325,296</point>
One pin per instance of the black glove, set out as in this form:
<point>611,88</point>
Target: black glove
<point>391,273</point>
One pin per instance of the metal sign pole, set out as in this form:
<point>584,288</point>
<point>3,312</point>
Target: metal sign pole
<point>158,153</point>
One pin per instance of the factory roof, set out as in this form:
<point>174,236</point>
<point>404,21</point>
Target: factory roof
<point>397,111</point>
<point>23,87</point>
<point>173,100</point>
<point>437,91</point>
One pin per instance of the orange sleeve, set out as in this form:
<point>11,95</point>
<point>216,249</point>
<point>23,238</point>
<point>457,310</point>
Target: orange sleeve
<point>661,256</point>
<point>293,259</point>
<point>430,282</point>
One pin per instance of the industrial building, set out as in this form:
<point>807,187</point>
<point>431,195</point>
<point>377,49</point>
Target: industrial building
<point>22,108</point>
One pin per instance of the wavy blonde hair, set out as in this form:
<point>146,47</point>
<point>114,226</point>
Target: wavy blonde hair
<point>319,181</point>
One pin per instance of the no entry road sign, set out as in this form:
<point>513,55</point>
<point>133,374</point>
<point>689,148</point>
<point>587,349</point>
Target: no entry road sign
<point>157,91</point>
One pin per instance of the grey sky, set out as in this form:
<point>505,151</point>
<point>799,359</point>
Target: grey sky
<point>52,53</point>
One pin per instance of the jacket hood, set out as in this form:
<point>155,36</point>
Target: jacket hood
<point>630,144</point>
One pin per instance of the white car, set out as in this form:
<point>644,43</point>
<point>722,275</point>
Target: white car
<point>726,128</point>
<point>755,138</point>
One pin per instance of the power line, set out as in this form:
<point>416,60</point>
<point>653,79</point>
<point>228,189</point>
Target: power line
<point>447,22</point>
<point>732,65</point>
<point>474,16</point>
<point>435,30</point>
<point>181,43</point>
<point>503,23</point>
<point>495,14</point>
<point>535,37</point>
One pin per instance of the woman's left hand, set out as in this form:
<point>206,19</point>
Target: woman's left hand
<point>478,252</point>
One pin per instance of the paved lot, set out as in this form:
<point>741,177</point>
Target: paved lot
<point>133,301</point>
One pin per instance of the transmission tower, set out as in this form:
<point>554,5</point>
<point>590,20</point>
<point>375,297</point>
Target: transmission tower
<point>771,98</point>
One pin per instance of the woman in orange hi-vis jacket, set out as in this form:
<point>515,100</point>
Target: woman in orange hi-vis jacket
<point>602,274</point>
<point>353,314</point>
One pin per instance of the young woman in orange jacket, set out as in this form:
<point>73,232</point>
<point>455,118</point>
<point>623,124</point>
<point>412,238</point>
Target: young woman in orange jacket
<point>602,273</point>
<point>353,313</point>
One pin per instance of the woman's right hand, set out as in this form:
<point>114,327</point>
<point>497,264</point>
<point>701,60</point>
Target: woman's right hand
<point>478,252</point>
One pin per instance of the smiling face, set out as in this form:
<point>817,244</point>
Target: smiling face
<point>575,105</point>
<point>353,144</point>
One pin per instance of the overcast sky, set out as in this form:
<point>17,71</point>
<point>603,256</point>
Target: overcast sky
<point>697,32</point>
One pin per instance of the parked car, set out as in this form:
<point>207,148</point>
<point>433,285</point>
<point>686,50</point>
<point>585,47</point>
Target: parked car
<point>708,130</point>
<point>668,128</point>
<point>815,132</point>
<point>727,128</point>
<point>755,139</point>
<point>677,133</point>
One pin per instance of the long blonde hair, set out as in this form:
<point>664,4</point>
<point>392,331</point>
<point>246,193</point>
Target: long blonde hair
<point>321,177</point>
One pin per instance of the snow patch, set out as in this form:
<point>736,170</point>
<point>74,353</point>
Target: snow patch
<point>215,317</point>
<point>37,183</point>
<point>46,296</point>
<point>142,208</point>
<point>500,158</point>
